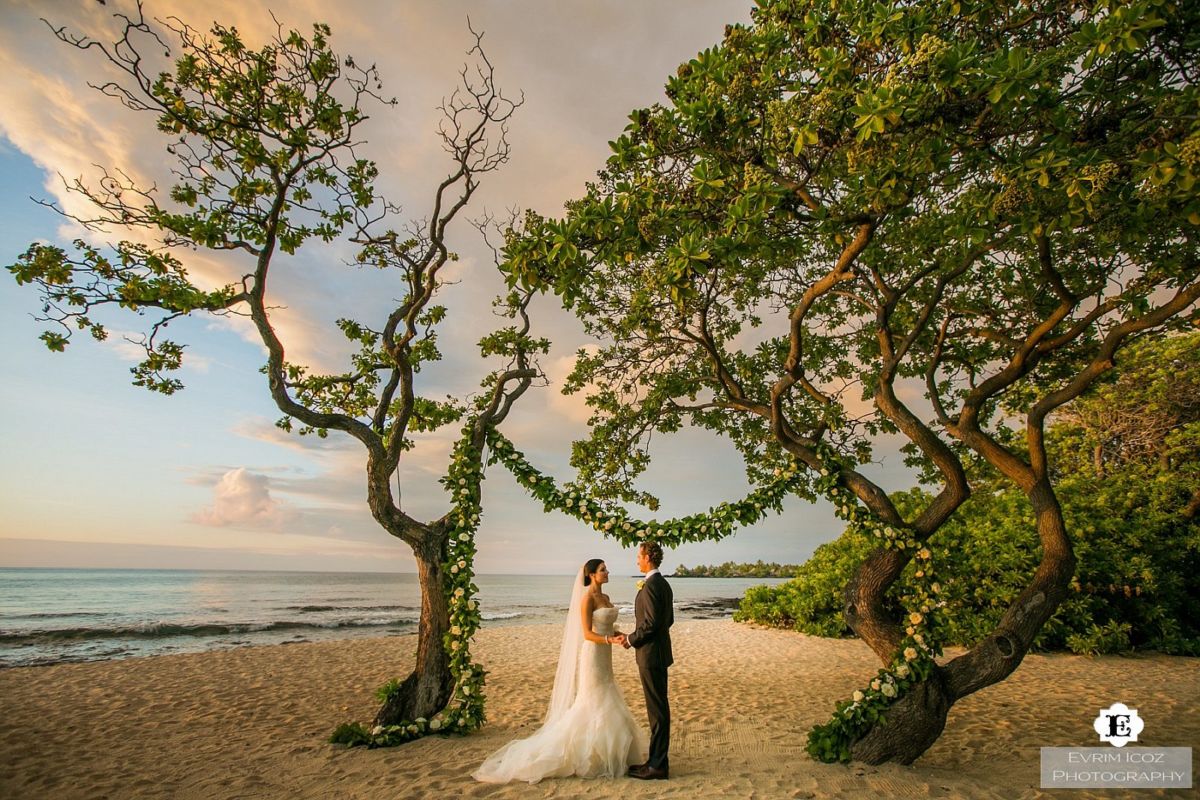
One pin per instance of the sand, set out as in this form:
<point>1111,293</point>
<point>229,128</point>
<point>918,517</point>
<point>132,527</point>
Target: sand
<point>253,722</point>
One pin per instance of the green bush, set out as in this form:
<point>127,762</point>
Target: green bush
<point>1137,584</point>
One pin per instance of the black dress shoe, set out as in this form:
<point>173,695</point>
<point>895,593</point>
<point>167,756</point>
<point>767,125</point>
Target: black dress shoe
<point>649,774</point>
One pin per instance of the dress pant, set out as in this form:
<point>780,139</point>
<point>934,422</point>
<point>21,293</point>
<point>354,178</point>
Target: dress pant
<point>654,686</point>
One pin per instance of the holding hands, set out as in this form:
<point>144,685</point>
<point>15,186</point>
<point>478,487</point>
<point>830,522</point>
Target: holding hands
<point>622,640</point>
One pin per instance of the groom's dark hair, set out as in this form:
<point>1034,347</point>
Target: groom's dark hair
<point>589,569</point>
<point>653,551</point>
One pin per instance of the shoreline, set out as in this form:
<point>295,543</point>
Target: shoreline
<point>743,699</point>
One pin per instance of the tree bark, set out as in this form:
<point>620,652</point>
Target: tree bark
<point>916,721</point>
<point>911,726</point>
<point>427,689</point>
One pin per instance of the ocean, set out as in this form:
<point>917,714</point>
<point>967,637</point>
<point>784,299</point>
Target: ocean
<point>50,616</point>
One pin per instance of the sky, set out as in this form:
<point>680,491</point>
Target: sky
<point>95,472</point>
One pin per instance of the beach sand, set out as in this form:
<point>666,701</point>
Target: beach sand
<point>253,722</point>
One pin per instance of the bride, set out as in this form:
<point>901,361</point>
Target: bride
<point>588,730</point>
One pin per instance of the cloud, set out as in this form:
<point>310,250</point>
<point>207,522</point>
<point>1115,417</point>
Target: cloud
<point>261,429</point>
<point>243,498</point>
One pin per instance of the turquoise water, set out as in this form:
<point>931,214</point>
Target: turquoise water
<point>49,616</point>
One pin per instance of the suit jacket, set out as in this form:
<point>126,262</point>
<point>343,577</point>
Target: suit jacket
<point>653,614</point>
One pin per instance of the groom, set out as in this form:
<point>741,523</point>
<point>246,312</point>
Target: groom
<point>653,613</point>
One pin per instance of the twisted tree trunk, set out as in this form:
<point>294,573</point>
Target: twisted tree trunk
<point>914,723</point>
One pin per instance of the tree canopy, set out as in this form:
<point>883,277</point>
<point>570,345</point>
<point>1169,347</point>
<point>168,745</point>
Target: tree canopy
<point>942,219</point>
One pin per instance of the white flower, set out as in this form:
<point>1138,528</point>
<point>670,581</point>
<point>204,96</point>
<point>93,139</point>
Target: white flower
<point>902,671</point>
<point>858,696</point>
<point>455,630</point>
<point>473,605</point>
<point>937,588</point>
<point>454,645</point>
<point>910,653</point>
<point>378,729</point>
<point>462,481</point>
<point>436,725</point>
<point>462,564</point>
<point>888,690</point>
<point>464,492</point>
<point>466,690</point>
<point>454,570</point>
<point>413,729</point>
<point>462,721</point>
<point>464,537</point>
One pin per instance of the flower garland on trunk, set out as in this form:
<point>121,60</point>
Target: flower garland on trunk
<point>464,712</point>
<point>914,658</point>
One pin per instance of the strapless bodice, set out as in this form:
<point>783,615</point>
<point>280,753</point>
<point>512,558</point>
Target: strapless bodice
<point>603,620</point>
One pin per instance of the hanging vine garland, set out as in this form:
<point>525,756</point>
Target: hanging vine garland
<point>914,658</point>
<point>614,522</point>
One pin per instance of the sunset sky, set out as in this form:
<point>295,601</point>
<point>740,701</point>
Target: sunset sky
<point>99,473</point>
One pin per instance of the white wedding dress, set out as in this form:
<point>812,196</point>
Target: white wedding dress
<point>595,736</point>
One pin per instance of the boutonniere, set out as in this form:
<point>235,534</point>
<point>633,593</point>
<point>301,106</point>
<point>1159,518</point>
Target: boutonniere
<point>639,585</point>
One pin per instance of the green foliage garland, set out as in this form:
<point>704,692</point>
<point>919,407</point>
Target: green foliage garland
<point>914,658</point>
<point>614,522</point>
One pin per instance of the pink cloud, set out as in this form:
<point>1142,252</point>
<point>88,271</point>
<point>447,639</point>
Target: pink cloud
<point>243,498</point>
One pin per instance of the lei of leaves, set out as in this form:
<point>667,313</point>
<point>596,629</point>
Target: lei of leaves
<point>914,658</point>
<point>465,710</point>
<point>616,523</point>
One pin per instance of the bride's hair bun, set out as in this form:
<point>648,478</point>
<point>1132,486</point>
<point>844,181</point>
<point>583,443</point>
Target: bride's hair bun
<point>589,569</point>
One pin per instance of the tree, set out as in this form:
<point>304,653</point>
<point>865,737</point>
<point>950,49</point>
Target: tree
<point>983,202</point>
<point>1137,582</point>
<point>266,151</point>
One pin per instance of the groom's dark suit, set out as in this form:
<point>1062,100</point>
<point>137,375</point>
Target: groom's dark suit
<point>654,613</point>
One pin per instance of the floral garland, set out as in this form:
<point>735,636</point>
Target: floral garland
<point>914,658</point>
<point>614,522</point>
<point>465,710</point>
